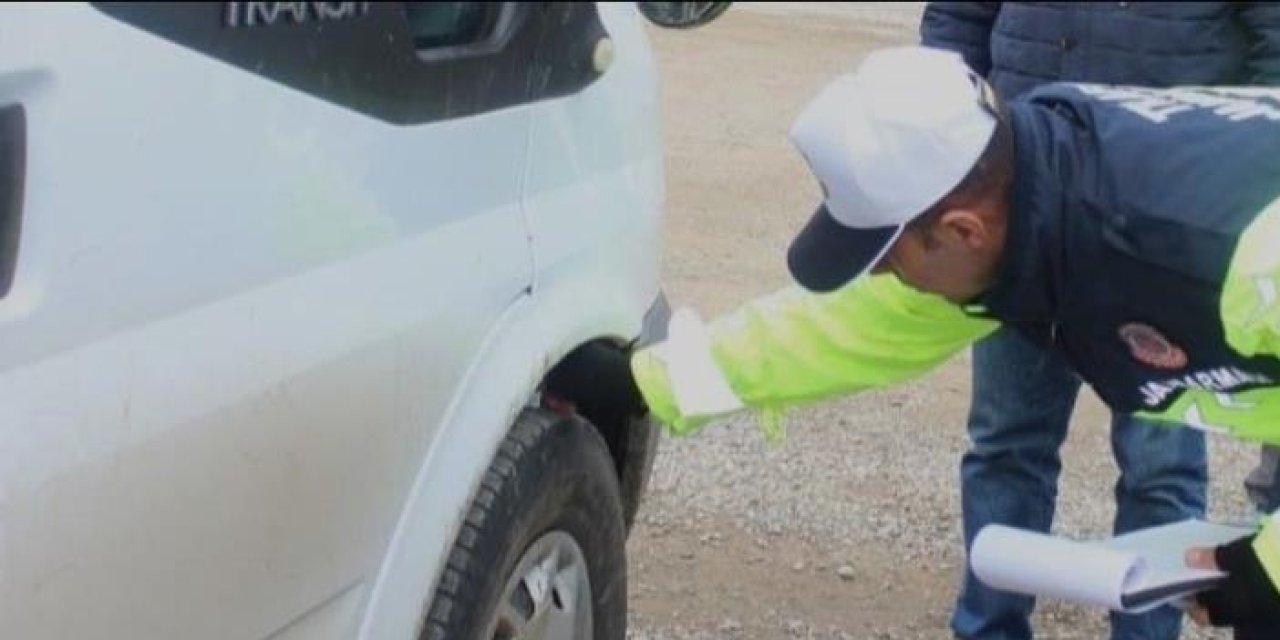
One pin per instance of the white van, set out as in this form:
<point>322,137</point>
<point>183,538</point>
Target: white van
<point>283,291</point>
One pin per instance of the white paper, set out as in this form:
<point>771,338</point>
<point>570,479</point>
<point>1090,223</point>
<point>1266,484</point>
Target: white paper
<point>1162,550</point>
<point>1036,564</point>
<point>1145,568</point>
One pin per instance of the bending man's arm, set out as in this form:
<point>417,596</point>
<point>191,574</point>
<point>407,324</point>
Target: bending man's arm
<point>1250,309</point>
<point>794,347</point>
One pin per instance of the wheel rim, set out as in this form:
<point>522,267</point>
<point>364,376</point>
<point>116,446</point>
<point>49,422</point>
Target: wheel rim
<point>548,596</point>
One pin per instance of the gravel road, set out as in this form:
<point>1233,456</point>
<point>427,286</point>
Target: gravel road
<point>849,528</point>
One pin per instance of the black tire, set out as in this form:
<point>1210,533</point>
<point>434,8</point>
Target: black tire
<point>550,474</point>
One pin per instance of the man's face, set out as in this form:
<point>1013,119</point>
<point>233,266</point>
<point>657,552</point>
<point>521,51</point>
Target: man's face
<point>956,257</point>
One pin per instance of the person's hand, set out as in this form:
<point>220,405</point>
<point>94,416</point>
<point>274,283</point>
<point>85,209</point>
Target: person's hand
<point>1247,598</point>
<point>1200,558</point>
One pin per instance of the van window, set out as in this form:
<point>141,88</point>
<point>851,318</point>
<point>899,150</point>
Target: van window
<point>452,24</point>
<point>405,63</point>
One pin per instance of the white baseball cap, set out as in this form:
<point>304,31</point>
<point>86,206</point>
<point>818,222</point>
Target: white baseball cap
<point>886,143</point>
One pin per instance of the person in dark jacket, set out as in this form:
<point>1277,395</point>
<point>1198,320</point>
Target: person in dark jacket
<point>1023,396</point>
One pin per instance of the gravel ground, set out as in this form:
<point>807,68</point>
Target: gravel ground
<point>849,528</point>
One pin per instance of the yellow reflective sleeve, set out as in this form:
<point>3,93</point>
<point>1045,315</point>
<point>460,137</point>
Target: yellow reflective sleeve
<point>1267,547</point>
<point>1250,304</point>
<point>1247,415</point>
<point>1250,310</point>
<point>795,346</point>
<point>651,377</point>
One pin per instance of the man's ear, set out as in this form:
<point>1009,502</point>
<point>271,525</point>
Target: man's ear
<point>966,227</point>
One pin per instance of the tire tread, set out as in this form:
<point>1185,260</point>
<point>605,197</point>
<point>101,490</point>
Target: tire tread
<point>461,583</point>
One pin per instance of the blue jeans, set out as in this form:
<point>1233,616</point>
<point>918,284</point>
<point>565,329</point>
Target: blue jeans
<point>1022,402</point>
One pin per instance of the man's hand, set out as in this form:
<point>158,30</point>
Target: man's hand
<point>1247,599</point>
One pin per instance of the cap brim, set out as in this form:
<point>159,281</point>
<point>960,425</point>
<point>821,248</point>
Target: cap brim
<point>827,255</point>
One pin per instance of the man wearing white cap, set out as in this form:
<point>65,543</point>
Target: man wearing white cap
<point>1136,231</point>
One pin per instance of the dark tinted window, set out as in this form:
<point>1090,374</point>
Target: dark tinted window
<point>367,56</point>
<point>451,24</point>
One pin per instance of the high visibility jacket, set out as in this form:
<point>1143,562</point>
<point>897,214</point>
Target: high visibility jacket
<point>1143,244</point>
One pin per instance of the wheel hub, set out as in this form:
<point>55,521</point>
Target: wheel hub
<point>548,596</point>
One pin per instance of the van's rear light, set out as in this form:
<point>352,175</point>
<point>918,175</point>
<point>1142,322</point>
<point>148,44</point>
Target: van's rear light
<point>13,166</point>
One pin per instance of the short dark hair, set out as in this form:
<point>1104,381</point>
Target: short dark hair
<point>990,175</point>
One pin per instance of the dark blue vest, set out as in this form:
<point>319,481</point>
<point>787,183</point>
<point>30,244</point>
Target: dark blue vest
<point>1127,207</point>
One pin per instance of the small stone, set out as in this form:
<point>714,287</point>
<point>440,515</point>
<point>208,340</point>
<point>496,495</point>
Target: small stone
<point>846,573</point>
